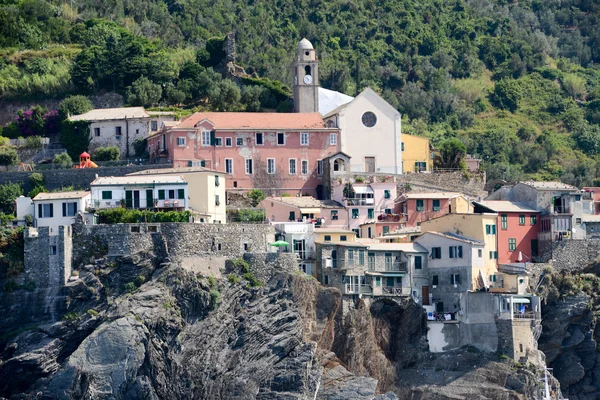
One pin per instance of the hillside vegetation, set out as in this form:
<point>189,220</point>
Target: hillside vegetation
<point>515,81</point>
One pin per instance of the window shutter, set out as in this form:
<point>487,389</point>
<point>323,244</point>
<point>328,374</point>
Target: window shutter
<point>190,164</point>
<point>180,193</point>
<point>64,207</point>
<point>51,210</point>
<point>488,230</point>
<point>292,215</point>
<point>451,251</point>
<point>460,254</point>
<point>203,163</point>
<point>493,229</point>
<point>452,279</point>
<point>75,207</point>
<point>212,138</point>
<point>40,211</point>
<point>457,278</point>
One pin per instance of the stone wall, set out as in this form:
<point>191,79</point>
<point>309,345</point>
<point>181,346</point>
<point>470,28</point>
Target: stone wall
<point>56,179</point>
<point>265,265</point>
<point>471,185</point>
<point>181,242</point>
<point>570,255</point>
<point>47,257</point>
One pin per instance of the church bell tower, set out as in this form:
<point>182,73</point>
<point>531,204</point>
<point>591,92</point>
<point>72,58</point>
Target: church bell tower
<point>306,79</point>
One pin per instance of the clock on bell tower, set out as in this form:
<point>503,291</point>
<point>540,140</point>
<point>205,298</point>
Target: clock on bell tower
<point>306,78</point>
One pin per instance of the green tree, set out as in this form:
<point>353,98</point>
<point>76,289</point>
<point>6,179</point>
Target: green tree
<point>144,93</point>
<point>36,179</point>
<point>8,194</point>
<point>251,96</point>
<point>8,156</point>
<point>75,137</point>
<point>451,155</point>
<point>507,94</point>
<point>74,105</point>
<point>228,97</point>
<point>108,153</point>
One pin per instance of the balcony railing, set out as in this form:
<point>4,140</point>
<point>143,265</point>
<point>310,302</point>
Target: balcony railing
<point>357,289</point>
<point>359,202</point>
<point>396,291</point>
<point>395,267</point>
<point>305,255</point>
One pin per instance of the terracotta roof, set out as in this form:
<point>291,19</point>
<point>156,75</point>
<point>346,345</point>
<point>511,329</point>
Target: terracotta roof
<point>171,171</point>
<point>61,195</point>
<point>554,185</point>
<point>505,206</point>
<point>306,202</point>
<point>454,236</point>
<point>108,114</point>
<point>258,121</point>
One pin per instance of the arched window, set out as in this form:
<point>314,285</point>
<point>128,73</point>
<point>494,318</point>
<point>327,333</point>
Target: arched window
<point>339,165</point>
<point>307,70</point>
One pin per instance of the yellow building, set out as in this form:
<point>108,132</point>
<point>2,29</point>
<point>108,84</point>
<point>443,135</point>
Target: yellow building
<point>416,155</point>
<point>206,191</point>
<point>480,227</point>
<point>334,235</point>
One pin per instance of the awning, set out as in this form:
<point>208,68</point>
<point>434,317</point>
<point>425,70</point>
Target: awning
<point>520,300</point>
<point>392,274</point>
<point>312,210</point>
<point>363,189</point>
<point>374,273</point>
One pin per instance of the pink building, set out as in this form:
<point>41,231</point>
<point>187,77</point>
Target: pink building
<point>418,207</point>
<point>383,226</point>
<point>517,229</point>
<point>595,193</point>
<point>365,201</point>
<point>329,213</point>
<point>269,150</point>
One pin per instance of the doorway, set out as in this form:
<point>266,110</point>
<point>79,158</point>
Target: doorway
<point>149,199</point>
<point>369,164</point>
<point>425,295</point>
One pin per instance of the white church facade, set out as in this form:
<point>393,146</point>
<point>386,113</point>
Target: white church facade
<point>370,128</point>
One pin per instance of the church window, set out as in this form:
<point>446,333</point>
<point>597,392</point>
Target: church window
<point>307,70</point>
<point>369,119</point>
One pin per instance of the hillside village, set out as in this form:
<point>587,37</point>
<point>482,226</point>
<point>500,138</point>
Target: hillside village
<point>336,184</point>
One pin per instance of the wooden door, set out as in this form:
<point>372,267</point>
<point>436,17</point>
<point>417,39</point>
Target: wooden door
<point>425,295</point>
<point>370,164</point>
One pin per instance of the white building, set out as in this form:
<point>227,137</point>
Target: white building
<point>54,209</point>
<point>122,126</point>
<point>206,191</point>
<point>162,192</point>
<point>301,239</point>
<point>370,133</point>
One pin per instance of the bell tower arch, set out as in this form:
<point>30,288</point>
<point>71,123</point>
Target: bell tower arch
<point>306,78</point>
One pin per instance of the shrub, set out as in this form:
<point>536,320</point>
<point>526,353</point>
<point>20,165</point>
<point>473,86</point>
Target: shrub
<point>130,287</point>
<point>34,142</point>
<point>92,313</point>
<point>212,282</point>
<point>233,278</point>
<point>72,316</point>
<point>246,215</point>
<point>242,265</point>
<point>108,153</point>
<point>128,216</point>
<point>35,191</point>
<point>139,147</point>
<point>252,280</point>
<point>139,280</point>
<point>63,160</point>
<point>214,298</point>
<point>36,179</point>
<point>8,156</point>
<point>256,196</point>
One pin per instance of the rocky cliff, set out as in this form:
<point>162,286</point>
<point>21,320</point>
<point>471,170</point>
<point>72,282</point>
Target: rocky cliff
<point>140,328</point>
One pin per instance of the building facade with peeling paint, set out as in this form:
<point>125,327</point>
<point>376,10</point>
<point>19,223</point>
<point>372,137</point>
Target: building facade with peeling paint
<point>278,152</point>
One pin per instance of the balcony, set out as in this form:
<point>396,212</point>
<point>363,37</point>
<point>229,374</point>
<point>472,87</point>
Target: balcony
<point>391,218</point>
<point>305,255</point>
<point>395,267</point>
<point>350,288</point>
<point>359,202</point>
<point>170,203</point>
<point>396,291</point>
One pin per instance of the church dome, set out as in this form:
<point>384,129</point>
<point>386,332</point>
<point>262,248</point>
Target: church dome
<point>305,45</point>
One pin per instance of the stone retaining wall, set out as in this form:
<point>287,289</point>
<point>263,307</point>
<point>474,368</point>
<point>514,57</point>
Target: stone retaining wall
<point>57,179</point>
<point>265,265</point>
<point>571,255</point>
<point>471,184</point>
<point>179,241</point>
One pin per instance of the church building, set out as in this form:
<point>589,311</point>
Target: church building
<point>370,128</point>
